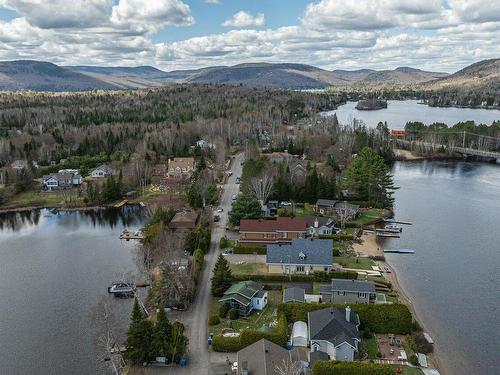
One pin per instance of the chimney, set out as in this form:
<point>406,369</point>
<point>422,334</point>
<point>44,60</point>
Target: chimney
<point>348,313</point>
<point>316,223</point>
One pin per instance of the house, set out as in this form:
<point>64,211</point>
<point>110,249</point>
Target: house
<point>301,256</point>
<point>102,171</point>
<point>184,220</point>
<point>19,164</point>
<point>267,358</point>
<point>346,210</point>
<point>295,294</point>
<point>181,168</point>
<point>349,291</point>
<point>245,296</point>
<point>205,145</point>
<point>325,206</point>
<point>296,165</point>
<point>320,226</point>
<point>263,232</point>
<point>60,181</point>
<point>334,331</point>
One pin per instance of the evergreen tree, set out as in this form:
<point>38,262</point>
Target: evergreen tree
<point>179,342</point>
<point>163,334</point>
<point>139,343</point>
<point>245,207</point>
<point>222,277</point>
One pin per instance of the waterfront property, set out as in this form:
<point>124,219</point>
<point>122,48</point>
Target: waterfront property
<point>263,232</point>
<point>60,181</point>
<point>181,168</point>
<point>245,296</point>
<point>264,357</point>
<point>301,256</point>
<point>319,225</point>
<point>344,210</point>
<point>335,332</point>
<point>184,220</point>
<point>103,171</point>
<point>349,291</point>
<point>325,206</point>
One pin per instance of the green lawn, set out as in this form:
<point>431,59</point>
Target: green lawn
<point>33,198</point>
<point>369,216</point>
<point>353,262</point>
<point>342,247</point>
<point>258,320</point>
<point>248,268</point>
<point>369,346</point>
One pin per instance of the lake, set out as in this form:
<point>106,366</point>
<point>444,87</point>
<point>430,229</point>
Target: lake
<point>399,112</point>
<point>54,271</point>
<point>453,279</point>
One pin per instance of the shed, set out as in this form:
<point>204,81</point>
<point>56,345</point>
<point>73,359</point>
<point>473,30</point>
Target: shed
<point>293,295</point>
<point>299,334</point>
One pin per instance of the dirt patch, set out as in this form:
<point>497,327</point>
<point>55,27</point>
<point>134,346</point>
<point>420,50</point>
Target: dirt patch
<point>390,348</point>
<point>369,245</point>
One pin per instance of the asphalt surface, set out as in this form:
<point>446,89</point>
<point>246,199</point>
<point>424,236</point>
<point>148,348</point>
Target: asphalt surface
<point>200,360</point>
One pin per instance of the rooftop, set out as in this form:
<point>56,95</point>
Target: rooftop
<point>330,324</point>
<point>353,285</point>
<point>325,202</point>
<point>293,294</point>
<point>262,358</point>
<point>302,251</point>
<point>280,224</point>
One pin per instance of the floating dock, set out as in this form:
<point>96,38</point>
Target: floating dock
<point>387,233</point>
<point>399,251</point>
<point>394,221</point>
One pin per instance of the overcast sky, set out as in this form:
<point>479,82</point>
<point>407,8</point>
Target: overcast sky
<point>178,34</point>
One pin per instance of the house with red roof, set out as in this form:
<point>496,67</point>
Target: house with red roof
<point>282,230</point>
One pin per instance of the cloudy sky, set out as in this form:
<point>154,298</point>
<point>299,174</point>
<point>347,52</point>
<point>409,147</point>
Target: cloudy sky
<point>442,35</point>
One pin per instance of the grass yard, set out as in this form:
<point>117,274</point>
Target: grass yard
<point>33,198</point>
<point>258,320</point>
<point>370,347</point>
<point>248,268</point>
<point>343,247</point>
<point>370,216</point>
<point>357,263</point>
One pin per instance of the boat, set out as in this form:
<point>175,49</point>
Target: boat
<point>399,251</point>
<point>393,228</point>
<point>122,289</point>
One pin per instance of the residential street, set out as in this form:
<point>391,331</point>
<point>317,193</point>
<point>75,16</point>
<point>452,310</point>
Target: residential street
<point>195,319</point>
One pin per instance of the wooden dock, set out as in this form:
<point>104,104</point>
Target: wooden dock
<point>120,203</point>
<point>399,251</point>
<point>387,233</point>
<point>394,221</point>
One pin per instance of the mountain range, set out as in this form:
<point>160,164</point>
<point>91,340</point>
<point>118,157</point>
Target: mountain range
<point>45,76</point>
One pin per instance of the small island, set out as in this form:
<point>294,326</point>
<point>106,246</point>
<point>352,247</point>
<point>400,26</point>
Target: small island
<point>371,104</point>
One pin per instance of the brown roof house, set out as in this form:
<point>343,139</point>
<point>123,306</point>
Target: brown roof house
<point>184,220</point>
<point>181,168</point>
<point>267,358</point>
<point>264,232</point>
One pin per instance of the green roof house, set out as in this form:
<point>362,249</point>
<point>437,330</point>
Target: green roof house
<point>245,296</point>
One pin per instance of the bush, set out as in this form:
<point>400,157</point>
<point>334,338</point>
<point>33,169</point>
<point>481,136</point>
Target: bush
<point>213,320</point>
<point>238,249</point>
<point>421,343</point>
<point>223,242</point>
<point>393,318</point>
<point>350,368</point>
<point>318,276</point>
<point>233,314</point>
<point>223,310</point>
<point>413,360</point>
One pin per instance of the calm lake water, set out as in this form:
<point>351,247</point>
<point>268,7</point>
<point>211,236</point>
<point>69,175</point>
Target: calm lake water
<point>398,113</point>
<point>54,271</point>
<point>453,278</point>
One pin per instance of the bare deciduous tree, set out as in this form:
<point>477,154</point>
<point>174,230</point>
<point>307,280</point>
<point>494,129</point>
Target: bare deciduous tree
<point>288,367</point>
<point>261,187</point>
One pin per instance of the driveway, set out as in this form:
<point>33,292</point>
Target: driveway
<point>200,360</point>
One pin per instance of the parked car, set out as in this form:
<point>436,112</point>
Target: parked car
<point>216,218</point>
<point>234,367</point>
<point>220,209</point>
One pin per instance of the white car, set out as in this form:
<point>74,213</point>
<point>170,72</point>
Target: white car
<point>234,366</point>
<point>220,209</point>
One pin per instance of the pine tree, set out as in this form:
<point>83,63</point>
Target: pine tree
<point>222,277</point>
<point>179,342</point>
<point>163,334</point>
<point>136,352</point>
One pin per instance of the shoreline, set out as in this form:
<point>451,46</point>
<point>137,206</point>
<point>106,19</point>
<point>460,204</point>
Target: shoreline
<point>370,247</point>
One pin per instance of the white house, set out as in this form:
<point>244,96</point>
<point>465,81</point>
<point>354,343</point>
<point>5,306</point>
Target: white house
<point>334,331</point>
<point>60,181</point>
<point>102,171</point>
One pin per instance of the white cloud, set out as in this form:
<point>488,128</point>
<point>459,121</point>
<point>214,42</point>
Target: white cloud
<point>217,2</point>
<point>245,19</point>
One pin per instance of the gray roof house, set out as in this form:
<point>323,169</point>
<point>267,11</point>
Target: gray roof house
<point>294,295</point>
<point>103,170</point>
<point>328,206</point>
<point>320,225</point>
<point>265,358</point>
<point>60,181</point>
<point>334,331</point>
<point>245,296</point>
<point>349,291</point>
<point>301,256</point>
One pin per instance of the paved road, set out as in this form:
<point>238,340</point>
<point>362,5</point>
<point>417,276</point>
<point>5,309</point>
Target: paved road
<point>195,319</point>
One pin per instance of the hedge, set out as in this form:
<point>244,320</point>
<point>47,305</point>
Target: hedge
<point>387,318</point>
<point>350,368</point>
<point>238,249</point>
<point>337,237</point>
<point>248,337</point>
<point>318,276</point>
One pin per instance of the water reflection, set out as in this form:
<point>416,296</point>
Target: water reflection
<point>130,215</point>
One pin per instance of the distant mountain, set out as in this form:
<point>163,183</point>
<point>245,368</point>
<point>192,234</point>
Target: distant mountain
<point>399,76</point>
<point>483,74</point>
<point>44,76</point>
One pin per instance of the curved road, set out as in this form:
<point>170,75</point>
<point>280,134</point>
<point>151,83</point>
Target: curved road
<point>196,318</point>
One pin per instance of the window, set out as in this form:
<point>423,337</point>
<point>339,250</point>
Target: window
<point>325,269</point>
<point>300,268</point>
<point>258,302</point>
<point>362,295</point>
<point>341,293</point>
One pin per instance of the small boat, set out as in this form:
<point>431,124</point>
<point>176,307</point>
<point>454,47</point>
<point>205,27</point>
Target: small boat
<point>122,289</point>
<point>393,228</point>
